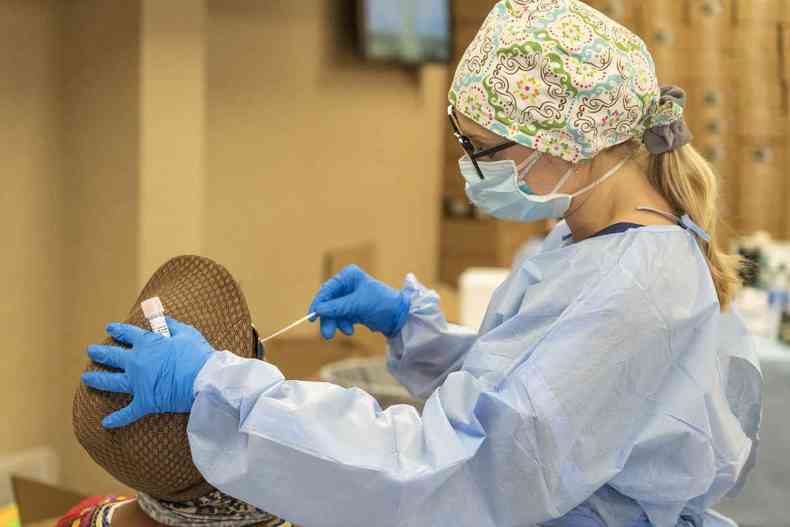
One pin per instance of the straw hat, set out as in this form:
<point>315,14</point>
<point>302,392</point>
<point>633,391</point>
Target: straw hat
<point>152,455</point>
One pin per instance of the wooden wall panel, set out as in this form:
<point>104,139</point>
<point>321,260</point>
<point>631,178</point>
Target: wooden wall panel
<point>762,181</point>
<point>784,50</point>
<point>625,12</point>
<point>706,16</point>
<point>761,49</point>
<point>761,105</point>
<point>760,10</point>
<point>761,117</point>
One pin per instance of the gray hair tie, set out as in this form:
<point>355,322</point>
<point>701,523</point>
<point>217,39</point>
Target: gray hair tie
<point>666,129</point>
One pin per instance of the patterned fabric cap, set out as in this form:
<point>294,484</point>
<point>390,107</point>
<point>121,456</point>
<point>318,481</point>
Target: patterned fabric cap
<point>559,77</point>
<point>152,455</point>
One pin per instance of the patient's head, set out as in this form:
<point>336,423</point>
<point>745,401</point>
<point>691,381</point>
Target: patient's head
<point>152,455</point>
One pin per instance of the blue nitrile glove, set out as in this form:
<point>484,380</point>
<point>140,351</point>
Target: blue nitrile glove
<point>158,372</point>
<point>352,297</point>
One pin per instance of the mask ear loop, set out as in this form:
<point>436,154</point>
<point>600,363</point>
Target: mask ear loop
<point>528,163</point>
<point>614,170</point>
<point>571,172</point>
<point>523,169</point>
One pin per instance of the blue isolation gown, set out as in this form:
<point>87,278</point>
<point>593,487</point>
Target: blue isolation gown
<point>605,387</point>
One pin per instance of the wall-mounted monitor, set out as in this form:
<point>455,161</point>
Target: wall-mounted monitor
<point>407,31</point>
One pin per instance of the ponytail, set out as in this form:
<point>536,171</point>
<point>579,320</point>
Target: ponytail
<point>687,181</point>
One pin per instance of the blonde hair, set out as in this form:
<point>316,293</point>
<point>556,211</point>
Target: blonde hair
<point>687,181</point>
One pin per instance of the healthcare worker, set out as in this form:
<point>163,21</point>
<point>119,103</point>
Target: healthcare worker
<point>610,384</point>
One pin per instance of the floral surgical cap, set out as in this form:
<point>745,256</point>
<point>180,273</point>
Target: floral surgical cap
<point>559,77</point>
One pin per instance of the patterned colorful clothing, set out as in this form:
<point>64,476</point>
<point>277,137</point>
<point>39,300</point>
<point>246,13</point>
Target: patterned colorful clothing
<point>98,511</point>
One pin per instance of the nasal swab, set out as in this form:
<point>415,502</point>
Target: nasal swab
<point>155,313</point>
<point>288,328</point>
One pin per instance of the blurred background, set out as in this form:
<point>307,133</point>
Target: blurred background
<point>286,139</point>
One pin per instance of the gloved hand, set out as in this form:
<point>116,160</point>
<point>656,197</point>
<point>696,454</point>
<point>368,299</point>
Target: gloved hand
<point>159,372</point>
<point>352,297</point>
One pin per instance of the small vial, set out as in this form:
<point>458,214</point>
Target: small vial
<point>155,313</point>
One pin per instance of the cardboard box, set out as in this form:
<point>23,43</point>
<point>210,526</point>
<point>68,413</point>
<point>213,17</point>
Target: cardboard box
<point>41,504</point>
<point>484,242</point>
<point>300,358</point>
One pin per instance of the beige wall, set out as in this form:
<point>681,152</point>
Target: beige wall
<point>100,122</point>
<point>30,206</point>
<point>172,132</point>
<point>309,148</point>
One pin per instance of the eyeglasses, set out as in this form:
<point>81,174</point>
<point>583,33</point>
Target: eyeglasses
<point>466,143</point>
<point>257,344</point>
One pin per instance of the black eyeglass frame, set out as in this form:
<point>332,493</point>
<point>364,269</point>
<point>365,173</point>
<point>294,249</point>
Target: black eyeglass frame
<point>469,147</point>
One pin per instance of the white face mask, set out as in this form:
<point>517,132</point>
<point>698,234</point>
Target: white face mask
<point>504,193</point>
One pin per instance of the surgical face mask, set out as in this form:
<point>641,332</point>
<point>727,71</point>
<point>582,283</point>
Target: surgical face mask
<point>504,193</point>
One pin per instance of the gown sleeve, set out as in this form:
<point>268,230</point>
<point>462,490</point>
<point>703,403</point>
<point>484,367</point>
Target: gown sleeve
<point>428,348</point>
<point>558,426</point>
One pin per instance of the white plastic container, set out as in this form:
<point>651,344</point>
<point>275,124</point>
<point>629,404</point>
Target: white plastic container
<point>475,288</point>
<point>154,311</point>
<point>755,309</point>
